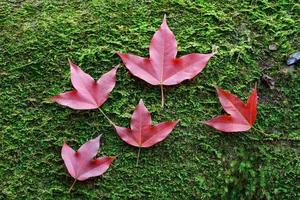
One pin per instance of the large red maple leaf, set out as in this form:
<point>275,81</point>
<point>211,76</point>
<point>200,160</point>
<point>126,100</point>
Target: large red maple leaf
<point>88,93</point>
<point>241,115</point>
<point>81,164</point>
<point>163,68</point>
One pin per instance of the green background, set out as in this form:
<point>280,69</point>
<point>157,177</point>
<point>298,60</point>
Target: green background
<point>195,161</point>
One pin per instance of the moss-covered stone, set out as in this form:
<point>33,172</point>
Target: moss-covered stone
<point>195,162</point>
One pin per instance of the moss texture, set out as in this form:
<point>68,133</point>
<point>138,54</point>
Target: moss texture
<point>195,161</point>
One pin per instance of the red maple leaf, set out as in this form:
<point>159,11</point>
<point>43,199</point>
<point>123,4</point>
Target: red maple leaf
<point>241,115</point>
<point>142,133</point>
<point>163,68</point>
<point>88,93</point>
<point>81,165</point>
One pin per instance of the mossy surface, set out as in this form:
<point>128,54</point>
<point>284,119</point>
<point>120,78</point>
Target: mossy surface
<point>195,161</point>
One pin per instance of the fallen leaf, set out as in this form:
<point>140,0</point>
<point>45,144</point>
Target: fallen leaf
<point>88,93</point>
<point>241,115</point>
<point>81,165</point>
<point>163,68</point>
<point>269,81</point>
<point>141,132</point>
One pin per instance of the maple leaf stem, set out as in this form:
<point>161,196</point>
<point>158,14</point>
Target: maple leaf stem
<point>138,157</point>
<point>72,185</point>
<point>260,131</point>
<point>162,96</point>
<point>269,136</point>
<point>111,122</point>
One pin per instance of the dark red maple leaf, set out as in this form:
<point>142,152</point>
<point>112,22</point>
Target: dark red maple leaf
<point>88,93</point>
<point>81,164</point>
<point>163,68</point>
<point>241,115</point>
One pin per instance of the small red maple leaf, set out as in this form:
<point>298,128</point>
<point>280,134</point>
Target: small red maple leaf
<point>81,165</point>
<point>241,115</point>
<point>163,68</point>
<point>88,93</point>
<point>142,133</point>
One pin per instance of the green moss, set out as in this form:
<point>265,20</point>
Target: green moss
<point>195,162</point>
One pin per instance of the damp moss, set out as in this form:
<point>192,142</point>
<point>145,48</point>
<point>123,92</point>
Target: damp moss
<point>195,161</point>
